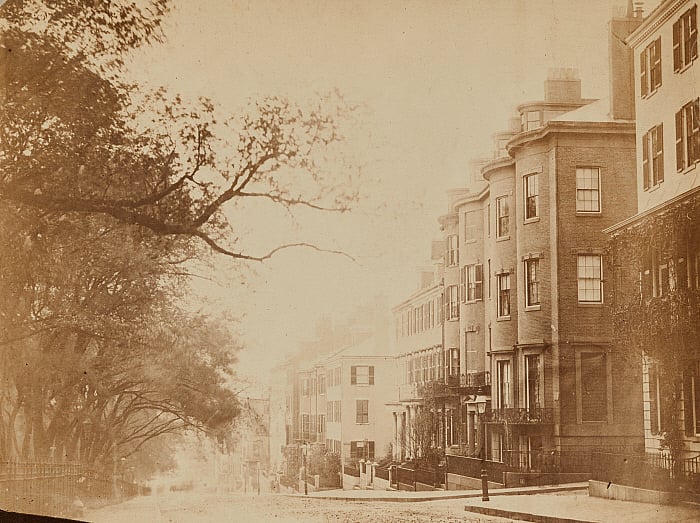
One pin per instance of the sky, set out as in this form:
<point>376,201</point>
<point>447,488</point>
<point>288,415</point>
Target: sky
<point>437,79</point>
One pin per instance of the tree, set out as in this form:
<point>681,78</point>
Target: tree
<point>105,195</point>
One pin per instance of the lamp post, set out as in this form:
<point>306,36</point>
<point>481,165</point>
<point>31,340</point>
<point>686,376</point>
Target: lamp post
<point>304,451</point>
<point>481,409</point>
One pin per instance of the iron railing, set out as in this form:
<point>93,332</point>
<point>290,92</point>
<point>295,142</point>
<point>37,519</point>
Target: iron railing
<point>519,416</point>
<point>52,489</point>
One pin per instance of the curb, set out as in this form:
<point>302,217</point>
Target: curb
<point>522,516</point>
<point>475,494</point>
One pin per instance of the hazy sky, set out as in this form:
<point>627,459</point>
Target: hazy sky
<point>438,78</point>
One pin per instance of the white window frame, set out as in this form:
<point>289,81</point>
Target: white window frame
<point>529,284</point>
<point>650,68</point>
<point>587,274</point>
<point>688,135</point>
<point>653,157</point>
<point>531,193</point>
<point>586,185</point>
<point>502,217</point>
<point>685,40</point>
<point>500,289</point>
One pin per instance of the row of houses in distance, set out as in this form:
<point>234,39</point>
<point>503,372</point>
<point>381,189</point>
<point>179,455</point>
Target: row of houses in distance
<point>515,331</point>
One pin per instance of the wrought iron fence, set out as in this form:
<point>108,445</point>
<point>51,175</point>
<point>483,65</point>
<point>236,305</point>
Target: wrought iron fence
<point>382,473</point>
<point>519,416</point>
<point>56,489</point>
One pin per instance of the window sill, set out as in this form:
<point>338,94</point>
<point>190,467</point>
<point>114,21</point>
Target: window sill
<point>685,67</point>
<point>651,93</point>
<point>685,170</point>
<point>656,186</point>
<point>589,213</point>
<point>503,238</point>
<point>532,220</point>
<point>591,305</point>
<point>503,318</point>
<point>529,308</point>
<point>472,302</point>
<point>471,240</point>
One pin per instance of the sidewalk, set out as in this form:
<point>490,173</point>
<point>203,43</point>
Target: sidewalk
<point>578,507</point>
<point>435,495</point>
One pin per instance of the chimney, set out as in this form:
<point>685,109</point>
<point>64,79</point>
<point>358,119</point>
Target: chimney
<point>562,86</point>
<point>621,63</point>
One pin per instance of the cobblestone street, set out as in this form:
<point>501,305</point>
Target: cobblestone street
<point>214,508</point>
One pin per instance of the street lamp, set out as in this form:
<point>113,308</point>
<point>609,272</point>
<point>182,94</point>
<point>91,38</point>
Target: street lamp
<point>481,409</point>
<point>304,451</point>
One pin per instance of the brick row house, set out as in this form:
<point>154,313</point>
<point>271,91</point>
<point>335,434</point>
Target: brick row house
<point>522,345</point>
<point>657,248</point>
<point>336,387</point>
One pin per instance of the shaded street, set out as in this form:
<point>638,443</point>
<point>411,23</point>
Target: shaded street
<point>211,507</point>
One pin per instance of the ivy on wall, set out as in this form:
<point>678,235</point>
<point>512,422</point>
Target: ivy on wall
<point>664,327</point>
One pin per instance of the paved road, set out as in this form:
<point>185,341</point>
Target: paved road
<point>199,507</point>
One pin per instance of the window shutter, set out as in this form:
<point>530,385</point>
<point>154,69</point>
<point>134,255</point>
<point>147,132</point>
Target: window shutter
<point>358,411</point>
<point>643,72</point>
<point>693,39</point>
<point>645,159</point>
<point>653,399</point>
<point>479,285</point>
<point>463,284</point>
<point>656,76</point>
<point>680,157</point>
<point>695,135</point>
<point>370,451</point>
<point>371,375</point>
<point>688,403</point>
<point>659,163</point>
<point>353,375</point>
<point>677,62</point>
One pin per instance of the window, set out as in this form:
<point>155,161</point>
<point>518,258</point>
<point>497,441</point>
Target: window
<point>653,156</point>
<point>362,375</point>
<point>656,426</point>
<point>531,120</point>
<point>685,39</point>
<point>470,226</point>
<point>362,449</point>
<point>304,387</point>
<point>336,410</point>
<point>588,189</point>
<point>321,424</point>
<point>691,399</point>
<point>472,284</point>
<point>454,362</point>
<point>594,390</point>
<point>321,384</point>
<point>503,376</point>
<point>532,282</point>
<point>688,135</point>
<point>590,278</point>
<point>452,250</point>
<point>362,411</point>
<point>338,375</point>
<point>503,301</point>
<point>305,426</point>
<point>531,192</point>
<point>650,67</point>
<point>502,215</point>
<point>452,302</point>
<point>532,382</point>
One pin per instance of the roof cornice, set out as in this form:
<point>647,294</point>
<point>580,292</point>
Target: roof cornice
<point>653,210</point>
<point>656,19</point>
